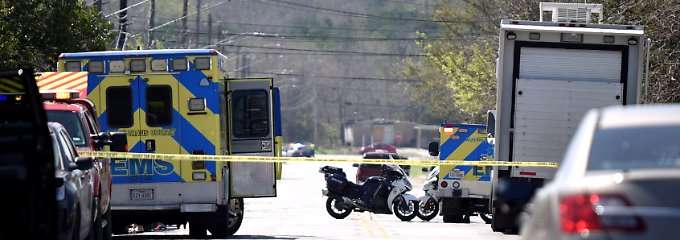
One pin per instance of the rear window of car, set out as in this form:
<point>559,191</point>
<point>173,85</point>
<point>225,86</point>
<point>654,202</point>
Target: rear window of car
<point>635,148</point>
<point>71,122</point>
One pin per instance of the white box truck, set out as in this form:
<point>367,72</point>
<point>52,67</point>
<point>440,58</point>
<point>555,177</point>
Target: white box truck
<point>549,73</point>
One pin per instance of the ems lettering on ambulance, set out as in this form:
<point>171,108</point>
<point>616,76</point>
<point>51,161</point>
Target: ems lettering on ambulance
<point>161,121</point>
<point>464,142</point>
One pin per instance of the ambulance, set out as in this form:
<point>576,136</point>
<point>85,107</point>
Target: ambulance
<point>463,191</point>
<point>181,101</point>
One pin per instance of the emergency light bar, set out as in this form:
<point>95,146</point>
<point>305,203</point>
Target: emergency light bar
<point>59,94</point>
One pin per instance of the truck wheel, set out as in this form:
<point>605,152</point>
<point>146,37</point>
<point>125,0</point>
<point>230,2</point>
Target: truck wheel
<point>428,209</point>
<point>230,219</point>
<point>335,212</point>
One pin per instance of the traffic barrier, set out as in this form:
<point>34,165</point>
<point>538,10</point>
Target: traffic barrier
<point>267,159</point>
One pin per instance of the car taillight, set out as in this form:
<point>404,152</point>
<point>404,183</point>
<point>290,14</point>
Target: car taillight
<point>587,212</point>
<point>444,184</point>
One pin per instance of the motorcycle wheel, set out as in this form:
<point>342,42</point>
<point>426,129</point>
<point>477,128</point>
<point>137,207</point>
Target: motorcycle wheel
<point>428,209</point>
<point>335,212</point>
<point>487,217</point>
<point>405,210</point>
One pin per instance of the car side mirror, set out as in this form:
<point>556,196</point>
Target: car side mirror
<point>84,163</point>
<point>433,148</point>
<point>118,141</point>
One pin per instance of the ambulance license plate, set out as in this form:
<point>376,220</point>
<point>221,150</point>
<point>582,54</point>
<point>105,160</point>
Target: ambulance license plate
<point>141,194</point>
<point>456,174</point>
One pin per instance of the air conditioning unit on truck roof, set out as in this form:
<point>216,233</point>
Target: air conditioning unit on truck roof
<point>549,75</point>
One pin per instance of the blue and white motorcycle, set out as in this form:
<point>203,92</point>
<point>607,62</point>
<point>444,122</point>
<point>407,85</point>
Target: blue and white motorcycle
<point>385,194</point>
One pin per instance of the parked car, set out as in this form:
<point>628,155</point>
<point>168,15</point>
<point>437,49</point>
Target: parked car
<point>366,170</point>
<point>378,147</point>
<point>26,160</point>
<point>78,116</point>
<point>75,187</point>
<point>304,151</point>
<point>618,180</point>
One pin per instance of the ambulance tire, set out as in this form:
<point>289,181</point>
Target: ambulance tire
<point>229,221</point>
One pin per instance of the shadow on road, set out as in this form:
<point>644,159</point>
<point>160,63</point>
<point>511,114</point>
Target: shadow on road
<point>160,236</point>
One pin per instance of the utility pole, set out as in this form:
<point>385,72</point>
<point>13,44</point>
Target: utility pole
<point>151,23</point>
<point>219,38</point>
<point>185,32</point>
<point>122,25</point>
<point>210,28</point>
<point>198,23</point>
<point>98,5</point>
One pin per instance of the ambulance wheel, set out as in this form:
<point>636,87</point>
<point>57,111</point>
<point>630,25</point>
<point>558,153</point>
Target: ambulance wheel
<point>230,219</point>
<point>405,210</point>
<point>334,211</point>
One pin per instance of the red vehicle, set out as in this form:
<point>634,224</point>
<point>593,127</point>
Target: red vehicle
<point>365,170</point>
<point>78,116</point>
<point>378,147</point>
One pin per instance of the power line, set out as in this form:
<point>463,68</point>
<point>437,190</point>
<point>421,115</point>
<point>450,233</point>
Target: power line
<point>326,51</point>
<point>360,15</point>
<point>316,28</point>
<point>341,77</point>
<point>315,54</point>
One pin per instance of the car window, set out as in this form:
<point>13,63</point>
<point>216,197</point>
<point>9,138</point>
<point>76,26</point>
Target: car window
<point>69,149</point>
<point>635,148</point>
<point>71,121</point>
<point>58,164</point>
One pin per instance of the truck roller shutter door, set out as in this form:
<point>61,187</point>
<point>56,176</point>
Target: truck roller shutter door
<point>554,89</point>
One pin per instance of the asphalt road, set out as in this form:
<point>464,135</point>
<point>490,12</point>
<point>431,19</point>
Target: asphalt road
<point>299,213</point>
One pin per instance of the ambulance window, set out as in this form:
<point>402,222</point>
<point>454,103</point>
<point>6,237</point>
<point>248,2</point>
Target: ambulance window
<point>72,66</point>
<point>119,106</point>
<point>202,63</point>
<point>95,67</point>
<point>179,64</point>
<point>158,105</point>
<point>137,65</point>
<point>250,118</point>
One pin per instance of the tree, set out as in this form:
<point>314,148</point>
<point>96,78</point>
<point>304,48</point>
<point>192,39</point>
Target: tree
<point>34,32</point>
<point>463,65</point>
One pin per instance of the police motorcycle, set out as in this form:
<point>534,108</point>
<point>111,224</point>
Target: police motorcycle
<point>384,194</point>
<point>428,205</point>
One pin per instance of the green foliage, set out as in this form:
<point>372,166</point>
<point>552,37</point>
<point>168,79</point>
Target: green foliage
<point>34,32</point>
<point>458,74</point>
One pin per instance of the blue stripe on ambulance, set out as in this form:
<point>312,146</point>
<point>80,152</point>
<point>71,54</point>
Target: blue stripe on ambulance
<point>212,99</point>
<point>452,144</point>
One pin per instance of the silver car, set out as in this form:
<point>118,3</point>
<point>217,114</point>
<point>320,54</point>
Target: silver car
<point>620,179</point>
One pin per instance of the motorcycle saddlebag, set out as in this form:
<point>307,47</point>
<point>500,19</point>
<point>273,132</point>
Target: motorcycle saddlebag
<point>336,183</point>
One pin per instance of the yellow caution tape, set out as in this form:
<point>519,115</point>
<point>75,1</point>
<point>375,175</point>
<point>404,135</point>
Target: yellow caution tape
<point>269,159</point>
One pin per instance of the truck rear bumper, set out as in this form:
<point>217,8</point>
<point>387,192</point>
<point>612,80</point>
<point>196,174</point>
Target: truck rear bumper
<point>165,196</point>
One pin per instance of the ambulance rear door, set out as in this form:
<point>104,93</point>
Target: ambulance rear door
<point>251,132</point>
